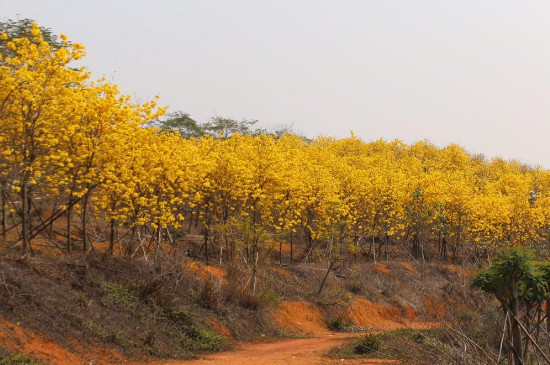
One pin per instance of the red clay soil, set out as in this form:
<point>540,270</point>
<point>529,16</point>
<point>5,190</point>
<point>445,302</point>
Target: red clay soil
<point>301,318</point>
<point>435,307</point>
<point>21,340</point>
<point>295,352</point>
<point>297,317</point>
<point>457,269</point>
<point>304,317</point>
<point>367,315</point>
<point>208,271</point>
<point>410,267</point>
<point>382,268</point>
<point>220,328</point>
<point>285,247</point>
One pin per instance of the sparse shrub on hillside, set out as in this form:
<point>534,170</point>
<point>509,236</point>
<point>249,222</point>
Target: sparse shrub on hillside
<point>17,360</point>
<point>367,344</point>
<point>339,323</point>
<point>211,295</point>
<point>121,295</point>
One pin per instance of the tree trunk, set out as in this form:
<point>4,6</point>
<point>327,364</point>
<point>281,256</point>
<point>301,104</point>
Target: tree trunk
<point>111,236</point>
<point>156,259</point>
<point>515,330</point>
<point>205,244</point>
<point>255,272</point>
<point>25,216</point>
<point>444,249</point>
<point>69,225</point>
<point>4,211</point>
<point>85,223</point>
<point>331,263</point>
<point>291,249</point>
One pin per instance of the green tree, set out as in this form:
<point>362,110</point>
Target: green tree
<point>178,122</point>
<point>517,283</point>
<point>226,127</point>
<point>21,28</point>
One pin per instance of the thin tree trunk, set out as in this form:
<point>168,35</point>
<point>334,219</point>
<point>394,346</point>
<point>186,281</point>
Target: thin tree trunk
<point>111,236</point>
<point>373,249</point>
<point>25,216</point>
<point>130,249</point>
<point>205,244</point>
<point>4,211</point>
<point>69,225</point>
<point>255,273</point>
<point>156,258</point>
<point>85,223</point>
<point>291,248</point>
<point>331,263</point>
<point>515,332</point>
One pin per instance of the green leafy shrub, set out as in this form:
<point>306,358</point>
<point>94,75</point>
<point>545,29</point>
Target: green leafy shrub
<point>120,294</point>
<point>17,359</point>
<point>367,344</point>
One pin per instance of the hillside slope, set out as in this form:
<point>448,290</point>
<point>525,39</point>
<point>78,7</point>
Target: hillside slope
<point>108,310</point>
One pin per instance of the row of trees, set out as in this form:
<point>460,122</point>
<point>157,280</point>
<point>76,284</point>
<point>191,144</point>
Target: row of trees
<point>80,148</point>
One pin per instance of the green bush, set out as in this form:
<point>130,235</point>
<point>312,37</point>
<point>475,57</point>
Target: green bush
<point>367,344</point>
<point>199,339</point>
<point>120,294</point>
<point>17,360</point>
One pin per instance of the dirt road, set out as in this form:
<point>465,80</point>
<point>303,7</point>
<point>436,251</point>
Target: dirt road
<point>289,352</point>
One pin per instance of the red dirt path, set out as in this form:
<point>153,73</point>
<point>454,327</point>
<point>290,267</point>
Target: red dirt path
<point>289,352</point>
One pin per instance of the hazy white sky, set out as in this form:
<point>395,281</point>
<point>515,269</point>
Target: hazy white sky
<point>472,72</point>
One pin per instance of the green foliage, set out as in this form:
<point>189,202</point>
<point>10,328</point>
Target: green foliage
<point>367,344</point>
<point>21,29</point>
<point>392,344</point>
<point>191,336</point>
<point>17,359</point>
<point>225,127</point>
<point>217,127</point>
<point>120,294</point>
<point>513,269</point>
<point>197,339</point>
<point>178,122</point>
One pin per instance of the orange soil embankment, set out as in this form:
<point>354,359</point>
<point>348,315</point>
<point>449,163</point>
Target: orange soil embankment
<point>367,315</point>
<point>382,269</point>
<point>306,318</point>
<point>457,269</point>
<point>409,267</point>
<point>22,340</point>
<point>208,271</point>
<point>283,246</point>
<point>300,318</point>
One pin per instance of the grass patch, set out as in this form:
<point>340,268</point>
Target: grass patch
<point>121,295</point>
<point>197,339</point>
<point>17,359</point>
<point>401,344</point>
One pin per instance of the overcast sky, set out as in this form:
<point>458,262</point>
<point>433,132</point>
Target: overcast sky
<point>472,72</point>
